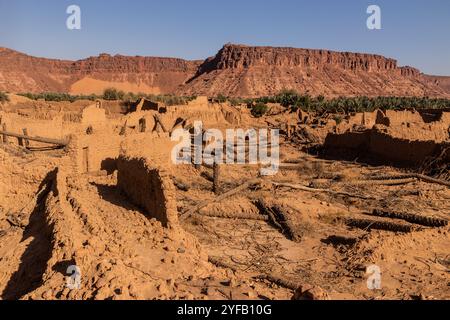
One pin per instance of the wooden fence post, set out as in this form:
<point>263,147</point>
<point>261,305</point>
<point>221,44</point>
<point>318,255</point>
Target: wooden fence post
<point>25,133</point>
<point>142,125</point>
<point>5,137</point>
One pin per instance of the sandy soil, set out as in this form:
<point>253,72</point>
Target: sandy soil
<point>317,225</point>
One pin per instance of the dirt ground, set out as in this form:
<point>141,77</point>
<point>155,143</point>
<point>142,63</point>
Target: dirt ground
<point>312,231</point>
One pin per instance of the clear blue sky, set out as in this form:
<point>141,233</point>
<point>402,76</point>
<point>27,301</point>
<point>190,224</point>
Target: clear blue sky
<point>415,32</point>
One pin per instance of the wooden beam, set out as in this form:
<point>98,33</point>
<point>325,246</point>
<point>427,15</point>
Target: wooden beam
<point>37,139</point>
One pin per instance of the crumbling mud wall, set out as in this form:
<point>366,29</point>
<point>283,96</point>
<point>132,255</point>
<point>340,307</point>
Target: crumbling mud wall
<point>211,115</point>
<point>92,153</point>
<point>405,137</point>
<point>405,151</point>
<point>367,119</point>
<point>383,146</point>
<point>93,115</point>
<point>53,246</point>
<point>55,128</point>
<point>149,188</point>
<point>100,151</point>
<point>66,229</point>
<point>395,118</point>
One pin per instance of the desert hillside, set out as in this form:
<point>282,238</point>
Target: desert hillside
<point>236,70</point>
<point>23,73</point>
<point>255,71</point>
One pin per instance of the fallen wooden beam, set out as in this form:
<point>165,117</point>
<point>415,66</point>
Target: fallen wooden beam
<point>225,195</point>
<point>308,189</point>
<point>37,139</point>
<point>409,176</point>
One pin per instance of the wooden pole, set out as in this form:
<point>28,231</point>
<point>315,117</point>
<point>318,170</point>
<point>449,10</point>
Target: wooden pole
<point>25,133</point>
<point>5,136</point>
<point>195,149</point>
<point>158,120</point>
<point>225,195</point>
<point>142,125</point>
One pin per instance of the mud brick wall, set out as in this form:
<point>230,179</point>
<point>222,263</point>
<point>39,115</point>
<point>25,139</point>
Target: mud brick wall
<point>92,153</point>
<point>148,187</point>
<point>411,152</point>
<point>383,146</point>
<point>100,151</point>
<point>347,140</point>
<point>56,128</point>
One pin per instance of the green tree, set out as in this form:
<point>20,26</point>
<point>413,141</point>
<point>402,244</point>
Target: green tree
<point>259,109</point>
<point>3,97</point>
<point>111,94</point>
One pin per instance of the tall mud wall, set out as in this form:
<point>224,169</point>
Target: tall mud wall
<point>149,188</point>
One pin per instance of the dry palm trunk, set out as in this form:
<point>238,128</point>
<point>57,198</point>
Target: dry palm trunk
<point>180,186</point>
<point>387,182</point>
<point>369,224</point>
<point>240,215</point>
<point>278,218</point>
<point>411,217</point>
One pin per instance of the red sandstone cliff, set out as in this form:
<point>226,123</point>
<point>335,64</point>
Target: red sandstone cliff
<point>236,70</point>
<point>254,71</point>
<point>23,73</point>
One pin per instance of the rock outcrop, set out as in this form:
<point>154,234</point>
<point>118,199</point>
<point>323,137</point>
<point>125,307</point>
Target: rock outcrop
<point>239,70</point>
<point>236,70</point>
<point>23,73</point>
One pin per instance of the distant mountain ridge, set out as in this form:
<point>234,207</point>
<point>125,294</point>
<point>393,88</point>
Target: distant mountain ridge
<point>236,70</point>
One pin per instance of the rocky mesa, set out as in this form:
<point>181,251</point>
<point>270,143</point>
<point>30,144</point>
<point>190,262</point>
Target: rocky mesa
<point>236,70</point>
<point>239,70</point>
<point>23,73</point>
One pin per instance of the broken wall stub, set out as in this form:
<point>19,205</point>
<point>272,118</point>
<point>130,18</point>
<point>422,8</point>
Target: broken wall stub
<point>92,153</point>
<point>100,150</point>
<point>93,115</point>
<point>150,188</point>
<point>199,101</point>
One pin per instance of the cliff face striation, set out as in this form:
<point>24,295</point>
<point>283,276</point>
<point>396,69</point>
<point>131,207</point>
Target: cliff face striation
<point>23,73</point>
<point>236,70</point>
<point>239,70</point>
